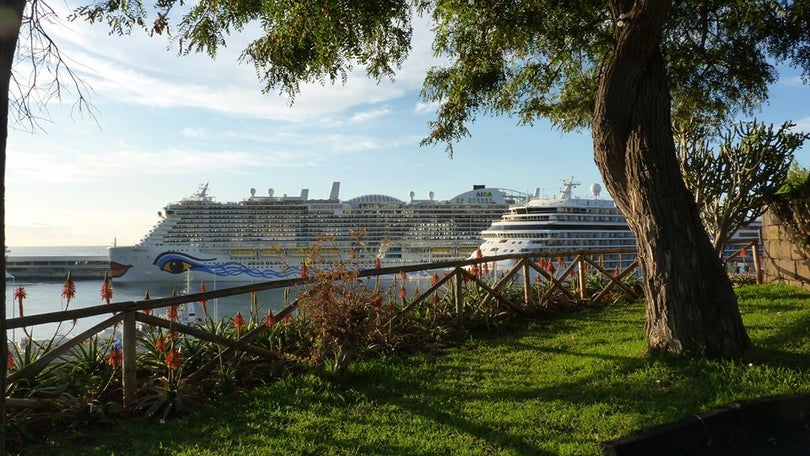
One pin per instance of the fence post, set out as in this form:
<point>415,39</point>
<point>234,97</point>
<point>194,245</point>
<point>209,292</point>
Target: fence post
<point>527,285</point>
<point>459,296</point>
<point>757,264</point>
<point>581,276</point>
<point>128,344</point>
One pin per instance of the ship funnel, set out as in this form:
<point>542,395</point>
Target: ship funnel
<point>270,192</point>
<point>335,193</point>
<point>305,194</point>
<point>537,192</point>
<point>430,195</point>
<point>412,194</point>
<point>252,192</point>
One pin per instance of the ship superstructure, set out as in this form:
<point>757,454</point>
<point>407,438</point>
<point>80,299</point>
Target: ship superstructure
<point>563,223</point>
<point>269,237</point>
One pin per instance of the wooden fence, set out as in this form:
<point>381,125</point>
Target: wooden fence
<point>565,279</point>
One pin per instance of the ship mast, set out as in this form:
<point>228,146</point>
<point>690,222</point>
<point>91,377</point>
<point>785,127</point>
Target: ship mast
<point>567,188</point>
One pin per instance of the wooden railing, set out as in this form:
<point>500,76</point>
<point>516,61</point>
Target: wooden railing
<point>562,274</point>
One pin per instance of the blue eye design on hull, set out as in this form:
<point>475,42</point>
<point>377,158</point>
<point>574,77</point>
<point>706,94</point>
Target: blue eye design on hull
<point>178,263</point>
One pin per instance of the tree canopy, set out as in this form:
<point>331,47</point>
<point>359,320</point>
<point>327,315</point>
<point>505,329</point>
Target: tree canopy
<point>735,179</point>
<point>532,59</point>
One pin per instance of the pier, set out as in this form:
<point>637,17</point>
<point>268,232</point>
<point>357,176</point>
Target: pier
<point>45,267</point>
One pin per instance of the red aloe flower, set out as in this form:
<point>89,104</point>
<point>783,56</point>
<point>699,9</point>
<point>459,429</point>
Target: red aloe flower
<point>377,263</point>
<point>304,271</point>
<point>560,261</point>
<point>172,334</point>
<point>115,357</point>
<point>376,302</point>
<point>173,359</point>
<point>402,292</point>
<point>435,298</point>
<point>203,302</point>
<point>19,295</point>
<point>486,269</point>
<point>287,318</point>
<point>238,321</point>
<point>106,289</point>
<point>744,253</point>
<point>269,320</point>
<point>10,361</point>
<point>172,313</point>
<point>435,280</point>
<point>68,289</point>
<point>146,298</point>
<point>478,253</point>
<point>160,343</point>
<point>616,272</point>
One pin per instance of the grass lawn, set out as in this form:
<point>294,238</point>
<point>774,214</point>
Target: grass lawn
<point>559,386</point>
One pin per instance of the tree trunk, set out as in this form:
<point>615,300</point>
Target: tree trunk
<point>9,31</point>
<point>691,305</point>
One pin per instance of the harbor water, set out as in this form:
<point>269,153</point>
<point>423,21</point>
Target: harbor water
<point>46,296</point>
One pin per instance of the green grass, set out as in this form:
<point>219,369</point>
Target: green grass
<point>560,386</point>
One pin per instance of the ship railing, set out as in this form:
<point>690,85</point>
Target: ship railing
<point>563,277</point>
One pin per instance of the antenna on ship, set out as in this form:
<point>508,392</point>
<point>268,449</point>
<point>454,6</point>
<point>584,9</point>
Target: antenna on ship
<point>567,188</point>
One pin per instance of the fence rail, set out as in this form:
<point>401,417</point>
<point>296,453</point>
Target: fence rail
<point>562,275</point>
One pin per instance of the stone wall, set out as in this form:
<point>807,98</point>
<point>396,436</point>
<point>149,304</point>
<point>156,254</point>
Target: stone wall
<point>787,260</point>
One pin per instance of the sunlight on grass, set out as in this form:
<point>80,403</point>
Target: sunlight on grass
<point>561,386</point>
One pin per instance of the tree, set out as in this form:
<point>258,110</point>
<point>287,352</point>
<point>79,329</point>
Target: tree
<point>8,43</point>
<point>626,68</point>
<point>734,183</point>
<point>22,38</point>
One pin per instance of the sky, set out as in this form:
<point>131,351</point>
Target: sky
<point>164,124</point>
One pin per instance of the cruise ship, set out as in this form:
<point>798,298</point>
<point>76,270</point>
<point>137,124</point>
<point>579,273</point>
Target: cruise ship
<point>547,225</point>
<point>270,237</point>
<point>565,223</point>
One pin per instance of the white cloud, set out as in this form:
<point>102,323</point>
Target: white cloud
<point>147,70</point>
<point>194,133</point>
<point>352,143</point>
<point>105,163</point>
<point>139,69</point>
<point>793,80</point>
<point>803,124</point>
<point>365,116</point>
<point>422,107</point>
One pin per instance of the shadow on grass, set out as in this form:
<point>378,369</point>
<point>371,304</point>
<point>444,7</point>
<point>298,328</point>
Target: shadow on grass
<point>609,392</point>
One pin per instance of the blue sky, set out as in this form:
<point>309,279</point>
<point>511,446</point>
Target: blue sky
<point>166,124</point>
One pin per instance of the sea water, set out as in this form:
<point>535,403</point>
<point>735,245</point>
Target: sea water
<point>46,296</point>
